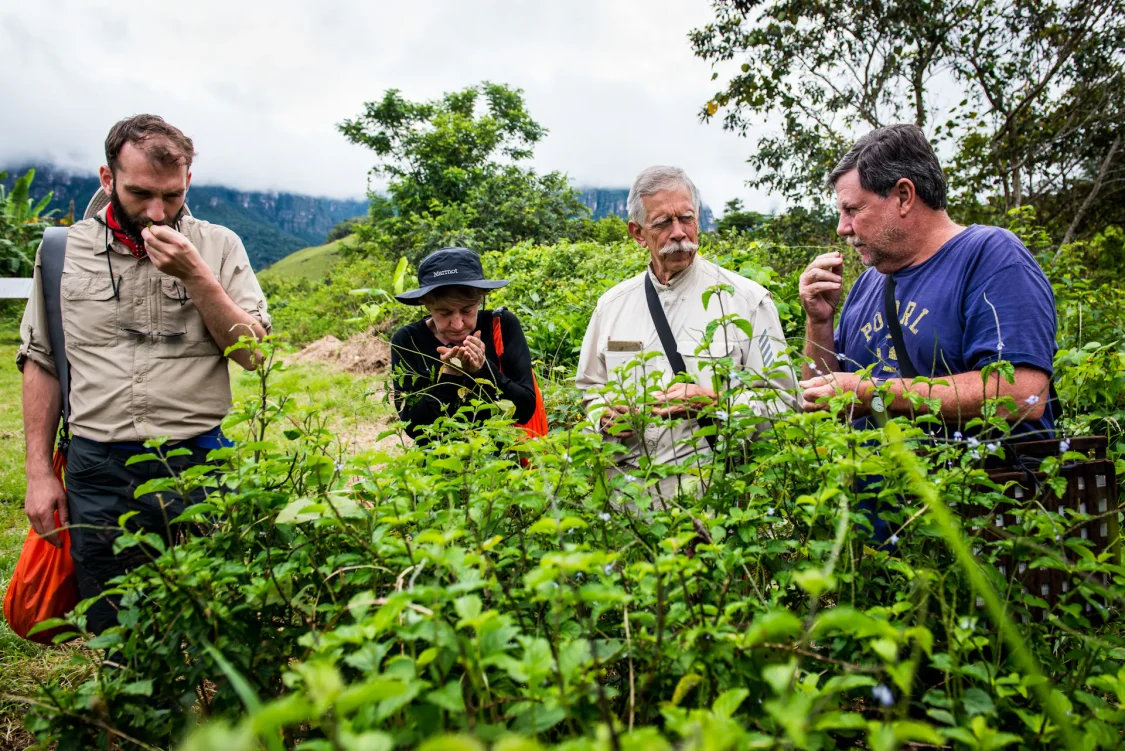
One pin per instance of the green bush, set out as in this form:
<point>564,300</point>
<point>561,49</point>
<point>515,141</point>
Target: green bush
<point>305,310</point>
<point>382,601</point>
<point>389,601</point>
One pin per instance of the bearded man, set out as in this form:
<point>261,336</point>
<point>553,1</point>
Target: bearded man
<point>151,298</point>
<point>623,347</point>
<point>938,299</point>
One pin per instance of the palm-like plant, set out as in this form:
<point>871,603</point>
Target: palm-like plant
<point>22,221</point>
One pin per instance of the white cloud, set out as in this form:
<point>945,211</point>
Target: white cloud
<point>260,87</point>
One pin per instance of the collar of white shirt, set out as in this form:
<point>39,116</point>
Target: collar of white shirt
<point>681,280</point>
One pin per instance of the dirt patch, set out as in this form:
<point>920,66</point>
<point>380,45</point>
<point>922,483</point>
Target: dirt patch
<point>362,354</point>
<point>326,350</point>
<point>365,354</point>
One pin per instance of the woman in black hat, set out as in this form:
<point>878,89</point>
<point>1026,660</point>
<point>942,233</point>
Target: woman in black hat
<point>439,362</point>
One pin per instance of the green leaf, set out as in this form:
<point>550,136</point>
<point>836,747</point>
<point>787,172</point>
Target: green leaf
<point>780,676</point>
<point>814,581</point>
<point>772,626</point>
<point>684,687</point>
<point>977,702</point>
<point>728,702</point>
<point>355,697</point>
<point>48,624</point>
<point>448,697</point>
<point>138,688</point>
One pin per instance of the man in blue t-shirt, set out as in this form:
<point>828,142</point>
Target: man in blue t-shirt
<point>964,297</point>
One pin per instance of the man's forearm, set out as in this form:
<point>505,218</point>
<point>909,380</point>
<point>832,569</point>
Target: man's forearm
<point>225,321</point>
<point>820,349</point>
<point>964,396</point>
<point>42,408</point>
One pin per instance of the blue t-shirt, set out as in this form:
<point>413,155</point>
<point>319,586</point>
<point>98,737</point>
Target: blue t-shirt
<point>980,297</point>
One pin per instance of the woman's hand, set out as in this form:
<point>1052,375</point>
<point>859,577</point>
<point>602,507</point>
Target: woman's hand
<point>473,348</point>
<point>467,357</point>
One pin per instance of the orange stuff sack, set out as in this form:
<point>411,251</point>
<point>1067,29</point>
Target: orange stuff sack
<point>44,584</point>
<point>537,425</point>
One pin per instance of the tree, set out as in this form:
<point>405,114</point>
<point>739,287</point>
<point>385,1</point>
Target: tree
<point>453,177</point>
<point>737,219</point>
<point>22,221</point>
<point>1023,93</point>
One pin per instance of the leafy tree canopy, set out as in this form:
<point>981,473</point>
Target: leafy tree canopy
<point>453,177</point>
<point>1024,95</point>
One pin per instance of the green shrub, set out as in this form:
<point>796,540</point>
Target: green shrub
<point>387,601</point>
<point>305,310</point>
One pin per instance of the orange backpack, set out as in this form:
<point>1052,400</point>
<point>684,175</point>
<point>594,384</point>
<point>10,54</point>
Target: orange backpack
<point>537,425</point>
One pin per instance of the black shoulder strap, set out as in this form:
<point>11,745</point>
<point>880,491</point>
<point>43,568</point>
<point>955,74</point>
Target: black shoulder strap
<point>52,254</point>
<point>667,341</point>
<point>890,310</point>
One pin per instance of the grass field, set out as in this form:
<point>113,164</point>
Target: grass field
<point>310,263</point>
<point>357,412</point>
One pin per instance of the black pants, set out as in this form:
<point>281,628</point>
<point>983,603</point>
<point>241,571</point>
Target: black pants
<point>99,489</point>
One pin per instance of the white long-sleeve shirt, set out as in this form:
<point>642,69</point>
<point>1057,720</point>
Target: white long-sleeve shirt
<point>621,332</point>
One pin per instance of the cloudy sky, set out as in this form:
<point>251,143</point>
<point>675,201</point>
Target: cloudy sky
<point>261,86</point>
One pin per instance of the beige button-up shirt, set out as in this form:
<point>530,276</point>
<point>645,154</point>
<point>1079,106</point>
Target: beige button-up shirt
<point>142,363</point>
<point>621,321</point>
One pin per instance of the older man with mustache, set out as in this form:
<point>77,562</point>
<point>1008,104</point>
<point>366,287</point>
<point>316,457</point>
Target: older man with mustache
<point>624,354</point>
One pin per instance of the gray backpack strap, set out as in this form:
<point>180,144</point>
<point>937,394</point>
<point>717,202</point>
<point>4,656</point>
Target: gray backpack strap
<point>52,253</point>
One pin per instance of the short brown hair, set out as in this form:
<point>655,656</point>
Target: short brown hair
<point>456,294</point>
<point>163,143</point>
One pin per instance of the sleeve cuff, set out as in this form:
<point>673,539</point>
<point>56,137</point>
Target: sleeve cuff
<point>39,358</point>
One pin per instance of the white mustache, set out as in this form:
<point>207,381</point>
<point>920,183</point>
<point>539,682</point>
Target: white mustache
<point>679,246</point>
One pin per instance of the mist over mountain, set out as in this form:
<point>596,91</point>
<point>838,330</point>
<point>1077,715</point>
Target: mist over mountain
<point>605,202</point>
<point>271,225</point>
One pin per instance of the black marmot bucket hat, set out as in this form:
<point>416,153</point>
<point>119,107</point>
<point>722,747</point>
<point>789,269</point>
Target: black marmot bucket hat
<point>449,267</point>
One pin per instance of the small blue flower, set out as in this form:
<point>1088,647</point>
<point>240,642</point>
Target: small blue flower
<point>957,435</point>
<point>893,540</point>
<point>883,695</point>
<point>994,447</point>
<point>339,467</point>
<point>1064,446</point>
<point>608,569</point>
<point>1033,399</point>
<point>604,516</point>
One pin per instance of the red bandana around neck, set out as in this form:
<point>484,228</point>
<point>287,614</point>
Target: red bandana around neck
<point>136,246</point>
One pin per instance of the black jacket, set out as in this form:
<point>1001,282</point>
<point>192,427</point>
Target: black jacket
<point>422,393</point>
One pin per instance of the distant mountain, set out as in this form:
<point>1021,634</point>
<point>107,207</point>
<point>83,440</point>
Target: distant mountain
<point>271,225</point>
<point>605,202</point>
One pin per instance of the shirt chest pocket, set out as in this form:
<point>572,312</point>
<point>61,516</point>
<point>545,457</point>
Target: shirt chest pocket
<point>89,310</point>
<point>706,364</point>
<point>178,314</point>
<point>183,332</point>
<point>633,372</point>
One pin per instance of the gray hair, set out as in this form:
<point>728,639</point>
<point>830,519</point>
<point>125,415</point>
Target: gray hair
<point>886,155</point>
<point>653,180</point>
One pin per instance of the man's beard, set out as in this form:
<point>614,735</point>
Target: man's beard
<point>679,246</point>
<point>132,225</point>
<point>881,253</point>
